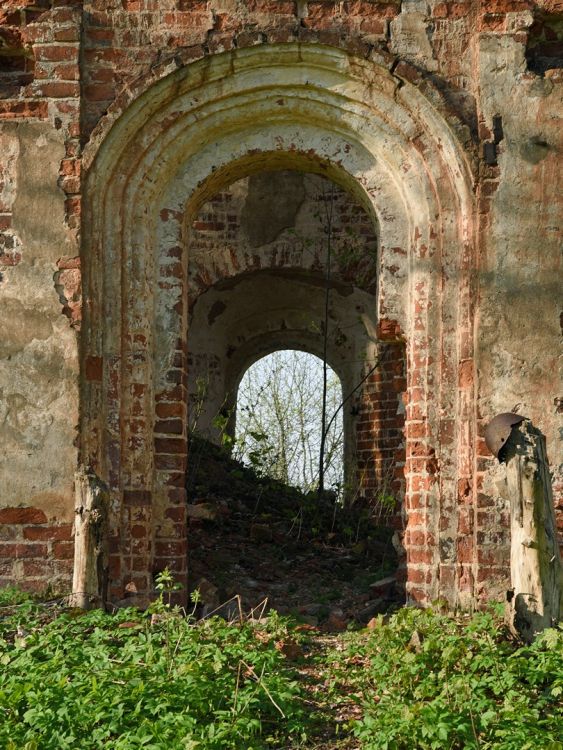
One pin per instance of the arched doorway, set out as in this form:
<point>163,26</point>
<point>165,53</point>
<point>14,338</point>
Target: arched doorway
<point>202,127</point>
<point>285,415</point>
<point>289,259</point>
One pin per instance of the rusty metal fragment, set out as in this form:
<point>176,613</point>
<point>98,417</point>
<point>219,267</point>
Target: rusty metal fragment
<point>498,431</point>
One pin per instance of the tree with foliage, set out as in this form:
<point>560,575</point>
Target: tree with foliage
<point>278,419</point>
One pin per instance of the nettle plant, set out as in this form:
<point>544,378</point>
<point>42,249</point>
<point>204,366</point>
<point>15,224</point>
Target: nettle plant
<point>431,682</point>
<point>153,681</point>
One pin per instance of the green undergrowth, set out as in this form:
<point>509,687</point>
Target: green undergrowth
<point>129,680</point>
<point>158,680</point>
<point>432,682</point>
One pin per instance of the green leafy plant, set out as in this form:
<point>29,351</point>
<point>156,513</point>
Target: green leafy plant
<point>11,595</point>
<point>430,682</point>
<point>93,680</point>
<point>221,422</point>
<point>421,680</point>
<point>166,584</point>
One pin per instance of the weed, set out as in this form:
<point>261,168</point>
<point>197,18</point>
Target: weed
<point>430,682</point>
<point>129,681</point>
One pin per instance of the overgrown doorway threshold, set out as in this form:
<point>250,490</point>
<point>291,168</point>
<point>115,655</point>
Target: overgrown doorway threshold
<point>278,548</point>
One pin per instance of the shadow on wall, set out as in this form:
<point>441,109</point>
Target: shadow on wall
<point>17,63</point>
<point>544,50</point>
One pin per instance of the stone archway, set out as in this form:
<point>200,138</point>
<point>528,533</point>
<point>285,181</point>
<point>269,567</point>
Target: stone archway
<point>202,126</point>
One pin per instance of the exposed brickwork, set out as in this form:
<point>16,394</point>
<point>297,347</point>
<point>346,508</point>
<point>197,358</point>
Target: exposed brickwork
<point>380,436</point>
<point>34,552</point>
<point>46,43</point>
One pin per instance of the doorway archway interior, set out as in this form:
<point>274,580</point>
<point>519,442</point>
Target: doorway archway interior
<point>177,142</point>
<point>288,260</point>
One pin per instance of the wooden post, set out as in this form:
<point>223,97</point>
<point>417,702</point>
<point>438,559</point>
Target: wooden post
<point>89,581</point>
<point>534,601</point>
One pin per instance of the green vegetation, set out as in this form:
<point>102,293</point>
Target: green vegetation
<point>431,682</point>
<point>133,680</point>
<point>159,680</point>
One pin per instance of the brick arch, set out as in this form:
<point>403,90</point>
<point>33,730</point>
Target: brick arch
<point>234,324</point>
<point>201,127</point>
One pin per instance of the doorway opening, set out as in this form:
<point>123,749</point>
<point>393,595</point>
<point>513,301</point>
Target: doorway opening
<point>283,422</point>
<point>282,273</point>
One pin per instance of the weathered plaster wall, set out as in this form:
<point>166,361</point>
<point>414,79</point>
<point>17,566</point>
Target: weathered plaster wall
<point>519,352</point>
<point>38,360</point>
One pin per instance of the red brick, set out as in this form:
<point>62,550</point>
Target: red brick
<point>171,461</point>
<point>174,409</point>
<point>375,26</point>
<point>177,495</point>
<point>466,374</point>
<point>139,532</point>
<point>12,110</point>
<point>63,550</point>
<point>139,563</point>
<point>67,34</point>
<point>420,556</point>
<point>62,532</point>
<point>170,549</point>
<point>177,393</point>
<point>22,550</point>
<point>417,595</point>
<point>93,368</point>
<point>99,92</point>
<point>174,479</point>
<point>169,427</point>
<point>22,515</point>
<point>418,576</point>
<point>170,445</point>
<point>56,53</point>
<point>176,514</point>
<point>64,13</point>
<point>67,72</point>
<point>137,497</point>
<point>465,550</point>
<point>37,568</point>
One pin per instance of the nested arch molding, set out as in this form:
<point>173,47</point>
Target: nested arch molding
<point>239,320</point>
<point>201,127</point>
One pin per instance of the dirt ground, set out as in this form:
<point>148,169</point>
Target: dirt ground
<point>277,548</point>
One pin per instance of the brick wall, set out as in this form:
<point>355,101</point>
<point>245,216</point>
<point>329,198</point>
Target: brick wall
<point>40,79</point>
<point>36,553</point>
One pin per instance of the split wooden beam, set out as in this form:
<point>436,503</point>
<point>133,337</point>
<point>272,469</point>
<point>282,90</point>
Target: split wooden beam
<point>89,583</point>
<point>535,598</point>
